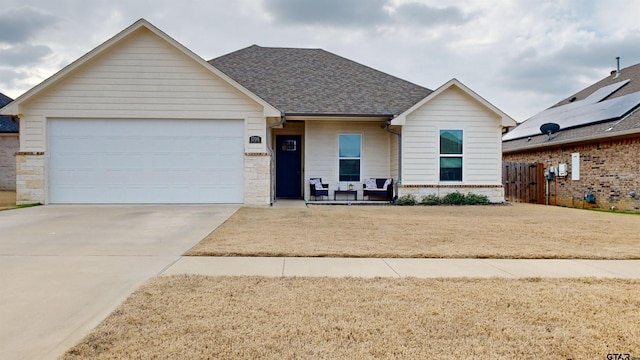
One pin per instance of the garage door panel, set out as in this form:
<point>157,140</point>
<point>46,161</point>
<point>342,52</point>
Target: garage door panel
<point>69,178</point>
<point>225,193</point>
<point>77,191</point>
<point>134,144</point>
<point>219,178</point>
<point>146,161</point>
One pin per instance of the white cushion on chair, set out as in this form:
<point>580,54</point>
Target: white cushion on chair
<point>386,183</point>
<point>317,183</point>
<point>370,184</point>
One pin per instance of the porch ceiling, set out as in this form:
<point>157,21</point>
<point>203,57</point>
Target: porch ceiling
<point>339,117</point>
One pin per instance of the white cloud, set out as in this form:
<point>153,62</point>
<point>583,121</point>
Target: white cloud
<point>522,56</point>
<point>24,54</point>
<point>23,23</point>
<point>339,13</point>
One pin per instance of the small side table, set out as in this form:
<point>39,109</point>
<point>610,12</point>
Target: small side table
<point>347,193</point>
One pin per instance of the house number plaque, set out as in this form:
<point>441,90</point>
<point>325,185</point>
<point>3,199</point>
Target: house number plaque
<point>255,140</point>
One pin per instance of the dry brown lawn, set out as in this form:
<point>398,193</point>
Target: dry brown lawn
<point>7,199</point>
<point>512,231</point>
<point>195,317</point>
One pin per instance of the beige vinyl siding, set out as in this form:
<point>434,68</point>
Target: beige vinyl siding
<point>452,109</point>
<point>255,126</point>
<point>141,77</point>
<point>321,151</point>
<point>32,133</point>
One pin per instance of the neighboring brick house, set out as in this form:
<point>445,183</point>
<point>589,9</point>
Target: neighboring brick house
<point>9,145</point>
<point>596,152</point>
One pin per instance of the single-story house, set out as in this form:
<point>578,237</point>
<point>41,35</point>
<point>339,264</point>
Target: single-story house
<point>142,119</point>
<point>8,147</point>
<point>589,142</point>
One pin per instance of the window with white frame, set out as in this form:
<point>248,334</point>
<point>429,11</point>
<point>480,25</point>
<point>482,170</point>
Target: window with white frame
<point>451,155</point>
<point>349,156</point>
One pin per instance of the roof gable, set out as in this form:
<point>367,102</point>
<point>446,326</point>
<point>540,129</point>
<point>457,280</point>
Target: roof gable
<point>317,82</point>
<point>7,125</point>
<point>14,107</point>
<point>505,120</point>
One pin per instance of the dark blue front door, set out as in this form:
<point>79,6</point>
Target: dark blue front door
<point>288,166</point>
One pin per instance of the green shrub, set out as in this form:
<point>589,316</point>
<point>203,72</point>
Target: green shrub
<point>454,198</point>
<point>475,199</point>
<point>406,200</point>
<point>431,200</point>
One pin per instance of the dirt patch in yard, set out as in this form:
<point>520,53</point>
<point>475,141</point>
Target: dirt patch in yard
<point>195,317</point>
<point>514,231</point>
<point>7,199</point>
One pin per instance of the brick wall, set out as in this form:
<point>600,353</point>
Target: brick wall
<point>609,169</point>
<point>9,145</point>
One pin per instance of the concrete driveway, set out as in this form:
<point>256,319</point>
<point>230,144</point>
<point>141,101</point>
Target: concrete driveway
<point>64,268</point>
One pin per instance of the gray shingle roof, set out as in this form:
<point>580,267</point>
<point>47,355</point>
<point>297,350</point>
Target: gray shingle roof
<point>6,124</point>
<point>317,82</point>
<point>628,125</point>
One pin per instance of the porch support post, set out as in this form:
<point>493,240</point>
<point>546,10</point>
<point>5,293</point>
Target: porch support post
<point>272,164</point>
<point>399,134</point>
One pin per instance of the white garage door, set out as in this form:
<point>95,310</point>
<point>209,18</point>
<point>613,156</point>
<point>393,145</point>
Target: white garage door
<point>145,161</point>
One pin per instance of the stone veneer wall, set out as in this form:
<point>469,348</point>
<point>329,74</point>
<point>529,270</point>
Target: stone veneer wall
<point>9,145</point>
<point>29,178</point>
<point>610,169</point>
<point>257,179</point>
<point>494,193</point>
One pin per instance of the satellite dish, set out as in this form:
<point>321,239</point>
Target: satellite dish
<point>549,129</point>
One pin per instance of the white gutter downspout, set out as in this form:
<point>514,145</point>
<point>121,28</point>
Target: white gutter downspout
<point>399,134</point>
<point>272,164</point>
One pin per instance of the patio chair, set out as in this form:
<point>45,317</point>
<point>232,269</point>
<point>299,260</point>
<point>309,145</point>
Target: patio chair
<point>317,188</point>
<point>379,188</point>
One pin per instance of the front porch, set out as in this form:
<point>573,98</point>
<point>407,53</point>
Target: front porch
<point>304,150</point>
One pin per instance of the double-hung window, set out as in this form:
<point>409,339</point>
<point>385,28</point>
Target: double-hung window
<point>349,150</point>
<point>451,155</point>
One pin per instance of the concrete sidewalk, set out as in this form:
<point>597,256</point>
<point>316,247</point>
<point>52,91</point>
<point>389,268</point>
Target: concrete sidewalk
<point>421,268</point>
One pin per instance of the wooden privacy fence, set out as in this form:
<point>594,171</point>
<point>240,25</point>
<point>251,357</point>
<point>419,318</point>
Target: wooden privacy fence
<point>523,182</point>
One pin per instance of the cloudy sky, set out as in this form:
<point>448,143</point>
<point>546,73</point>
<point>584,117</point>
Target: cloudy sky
<point>522,56</point>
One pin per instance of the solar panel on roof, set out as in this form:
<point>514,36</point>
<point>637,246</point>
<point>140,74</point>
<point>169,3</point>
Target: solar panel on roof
<point>580,112</point>
<point>605,91</point>
<point>604,110</point>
